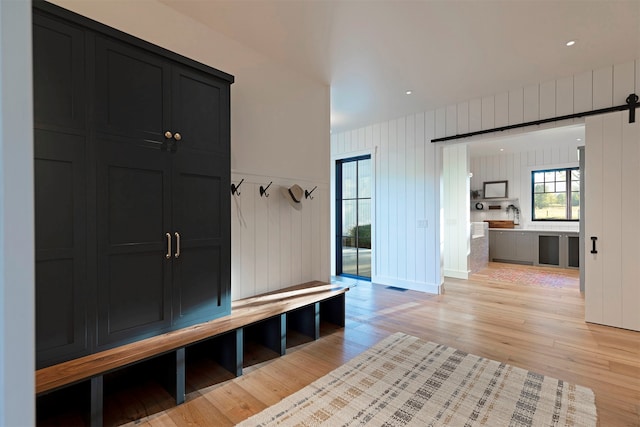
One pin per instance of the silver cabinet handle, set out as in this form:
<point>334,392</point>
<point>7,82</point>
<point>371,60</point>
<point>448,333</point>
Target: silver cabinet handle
<point>177,254</point>
<point>168,254</point>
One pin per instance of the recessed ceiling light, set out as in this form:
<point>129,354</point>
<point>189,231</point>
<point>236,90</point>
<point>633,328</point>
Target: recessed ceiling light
<point>571,43</point>
<point>578,139</point>
<point>502,149</point>
<point>409,92</point>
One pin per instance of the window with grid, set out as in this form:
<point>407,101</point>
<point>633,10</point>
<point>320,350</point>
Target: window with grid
<point>555,194</point>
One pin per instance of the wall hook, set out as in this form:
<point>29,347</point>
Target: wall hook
<point>307,194</point>
<point>234,188</point>
<point>263,190</point>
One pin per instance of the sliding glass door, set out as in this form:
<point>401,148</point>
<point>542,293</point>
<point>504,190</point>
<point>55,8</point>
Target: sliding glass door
<point>353,217</point>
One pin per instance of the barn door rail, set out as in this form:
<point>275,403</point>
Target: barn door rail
<point>631,105</point>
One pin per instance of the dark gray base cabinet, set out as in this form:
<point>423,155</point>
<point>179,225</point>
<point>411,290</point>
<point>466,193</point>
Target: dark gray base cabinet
<point>511,246</point>
<point>132,169</point>
<point>556,249</point>
<point>549,249</point>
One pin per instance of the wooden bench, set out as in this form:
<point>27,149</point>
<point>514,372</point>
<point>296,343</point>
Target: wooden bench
<point>299,308</point>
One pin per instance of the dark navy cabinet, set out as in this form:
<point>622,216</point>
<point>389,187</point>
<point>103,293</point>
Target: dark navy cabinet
<point>132,170</point>
<point>60,174</point>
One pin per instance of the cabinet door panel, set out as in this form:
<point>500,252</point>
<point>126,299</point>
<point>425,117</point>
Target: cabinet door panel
<point>135,208</point>
<point>56,317</point>
<point>199,206</point>
<point>200,294</point>
<point>58,73</point>
<point>524,247</point>
<point>200,110</point>
<point>133,218</point>
<point>60,229</point>
<point>573,251</point>
<point>132,92</point>
<point>135,293</point>
<point>549,249</point>
<point>201,214</point>
<point>503,243</point>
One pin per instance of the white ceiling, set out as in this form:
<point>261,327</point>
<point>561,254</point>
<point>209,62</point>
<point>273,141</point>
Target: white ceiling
<point>445,51</point>
<point>566,136</point>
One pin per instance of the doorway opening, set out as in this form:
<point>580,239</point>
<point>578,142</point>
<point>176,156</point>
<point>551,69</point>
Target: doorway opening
<point>353,217</point>
<point>513,159</point>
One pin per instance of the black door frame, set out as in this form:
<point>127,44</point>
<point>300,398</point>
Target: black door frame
<point>338,217</point>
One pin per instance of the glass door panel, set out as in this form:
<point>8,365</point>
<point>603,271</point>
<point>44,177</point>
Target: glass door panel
<point>353,219</point>
<point>349,248</point>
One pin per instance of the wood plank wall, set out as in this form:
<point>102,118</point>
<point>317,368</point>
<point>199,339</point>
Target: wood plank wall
<point>408,166</point>
<point>273,245</point>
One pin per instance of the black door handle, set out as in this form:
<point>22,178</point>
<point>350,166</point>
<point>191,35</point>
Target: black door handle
<point>593,245</point>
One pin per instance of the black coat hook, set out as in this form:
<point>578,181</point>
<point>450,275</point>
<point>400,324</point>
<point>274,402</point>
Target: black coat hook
<point>234,188</point>
<point>263,190</point>
<point>307,194</point>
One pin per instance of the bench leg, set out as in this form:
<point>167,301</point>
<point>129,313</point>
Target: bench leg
<point>171,367</point>
<point>180,376</point>
<point>283,334</point>
<point>316,320</point>
<point>231,356</point>
<point>97,395</point>
<point>239,356</point>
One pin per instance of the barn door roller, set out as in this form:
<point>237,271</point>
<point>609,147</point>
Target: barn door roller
<point>632,102</point>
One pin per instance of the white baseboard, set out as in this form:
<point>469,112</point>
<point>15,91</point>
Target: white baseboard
<point>431,288</point>
<point>456,274</point>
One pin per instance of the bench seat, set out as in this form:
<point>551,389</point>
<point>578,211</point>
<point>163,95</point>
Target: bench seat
<point>305,304</point>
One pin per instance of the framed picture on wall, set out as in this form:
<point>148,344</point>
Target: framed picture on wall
<point>495,189</point>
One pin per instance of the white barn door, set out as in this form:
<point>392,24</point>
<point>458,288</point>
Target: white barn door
<point>612,208</point>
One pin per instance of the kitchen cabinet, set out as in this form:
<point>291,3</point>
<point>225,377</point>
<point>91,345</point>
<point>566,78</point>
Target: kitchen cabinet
<point>511,246</point>
<point>132,170</point>
<point>557,249</point>
<point>548,249</point>
<point>532,247</point>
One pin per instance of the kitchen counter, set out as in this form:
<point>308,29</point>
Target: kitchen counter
<point>534,230</point>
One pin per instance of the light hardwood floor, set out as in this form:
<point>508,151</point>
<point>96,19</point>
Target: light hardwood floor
<point>536,328</point>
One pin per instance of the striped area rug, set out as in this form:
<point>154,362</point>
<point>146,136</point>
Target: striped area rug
<point>405,381</point>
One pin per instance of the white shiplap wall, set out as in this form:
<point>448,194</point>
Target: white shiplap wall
<point>455,210</point>
<point>405,222</point>
<point>408,166</point>
<point>516,168</point>
<point>274,245</point>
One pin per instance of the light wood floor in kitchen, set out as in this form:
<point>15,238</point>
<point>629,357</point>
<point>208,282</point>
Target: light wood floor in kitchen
<point>539,329</point>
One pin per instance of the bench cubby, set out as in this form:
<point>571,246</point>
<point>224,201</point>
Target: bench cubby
<point>68,406</point>
<point>213,361</point>
<point>126,391</point>
<point>264,340</point>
